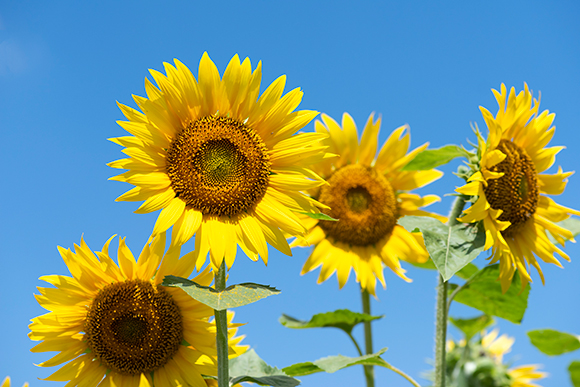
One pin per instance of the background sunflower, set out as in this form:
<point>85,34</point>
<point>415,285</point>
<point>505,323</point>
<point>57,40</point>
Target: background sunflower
<point>510,188</point>
<point>367,195</point>
<point>481,362</point>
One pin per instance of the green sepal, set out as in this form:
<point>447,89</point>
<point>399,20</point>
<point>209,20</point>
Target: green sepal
<point>232,297</point>
<point>342,319</point>
<point>318,216</point>
<point>574,369</point>
<point>431,158</point>
<point>552,342</point>
<point>483,292</point>
<point>249,367</point>
<point>450,248</point>
<point>332,364</point>
<point>471,326</point>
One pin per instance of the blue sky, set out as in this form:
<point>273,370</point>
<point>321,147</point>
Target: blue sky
<point>63,65</point>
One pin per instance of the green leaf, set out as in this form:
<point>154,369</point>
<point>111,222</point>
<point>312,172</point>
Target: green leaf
<point>343,319</point>
<point>552,342</point>
<point>431,158</point>
<point>318,216</point>
<point>332,364</point>
<point>249,367</point>
<point>574,369</point>
<point>232,297</point>
<point>468,271</point>
<point>471,326</point>
<point>450,248</point>
<point>572,224</point>
<point>483,292</point>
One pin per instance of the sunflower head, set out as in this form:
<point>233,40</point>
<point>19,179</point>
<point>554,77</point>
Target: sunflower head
<point>220,160</point>
<point>367,195</point>
<point>115,324</point>
<point>508,187</point>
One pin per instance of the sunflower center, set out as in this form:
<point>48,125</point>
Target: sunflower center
<point>516,192</point>
<point>364,203</point>
<point>219,166</point>
<point>133,328</point>
<point>358,199</point>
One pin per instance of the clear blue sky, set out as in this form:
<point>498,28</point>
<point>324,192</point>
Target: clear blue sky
<point>63,64</point>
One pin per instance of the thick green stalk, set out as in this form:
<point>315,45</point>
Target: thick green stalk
<point>369,371</point>
<point>221,322</point>
<point>441,311</point>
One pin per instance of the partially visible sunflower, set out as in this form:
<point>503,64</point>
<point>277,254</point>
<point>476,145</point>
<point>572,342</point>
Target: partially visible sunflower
<point>510,188</point>
<point>497,346</point>
<point>367,195</point>
<point>117,326</point>
<point>219,161</point>
<point>521,376</point>
<point>489,349</point>
<point>6,383</point>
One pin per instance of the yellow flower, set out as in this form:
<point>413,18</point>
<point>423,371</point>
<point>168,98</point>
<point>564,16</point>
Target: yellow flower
<point>219,161</point>
<point>367,195</point>
<point>6,383</point>
<point>523,376</point>
<point>116,325</point>
<point>511,189</point>
<point>497,346</point>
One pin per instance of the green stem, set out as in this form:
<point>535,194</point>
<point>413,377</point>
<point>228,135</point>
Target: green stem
<point>221,323</point>
<point>441,312</point>
<point>369,371</point>
<point>398,371</point>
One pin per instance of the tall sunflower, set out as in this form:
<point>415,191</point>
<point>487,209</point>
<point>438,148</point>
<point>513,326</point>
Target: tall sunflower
<point>367,195</point>
<point>219,161</point>
<point>116,325</point>
<point>509,187</point>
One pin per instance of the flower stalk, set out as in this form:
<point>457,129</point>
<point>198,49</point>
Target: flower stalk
<point>221,323</point>
<point>441,309</point>
<point>369,371</point>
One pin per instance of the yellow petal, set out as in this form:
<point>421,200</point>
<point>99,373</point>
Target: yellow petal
<point>186,226</point>
<point>169,215</point>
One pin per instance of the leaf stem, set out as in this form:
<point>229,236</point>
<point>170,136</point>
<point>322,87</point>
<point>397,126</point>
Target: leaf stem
<point>355,343</point>
<point>398,371</point>
<point>221,322</point>
<point>442,306</point>
<point>369,371</point>
<point>454,293</point>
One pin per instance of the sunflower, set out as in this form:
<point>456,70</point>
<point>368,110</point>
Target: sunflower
<point>497,347</point>
<point>490,346</point>
<point>6,383</point>
<point>367,195</point>
<point>510,189</point>
<point>219,161</point>
<point>116,325</point>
